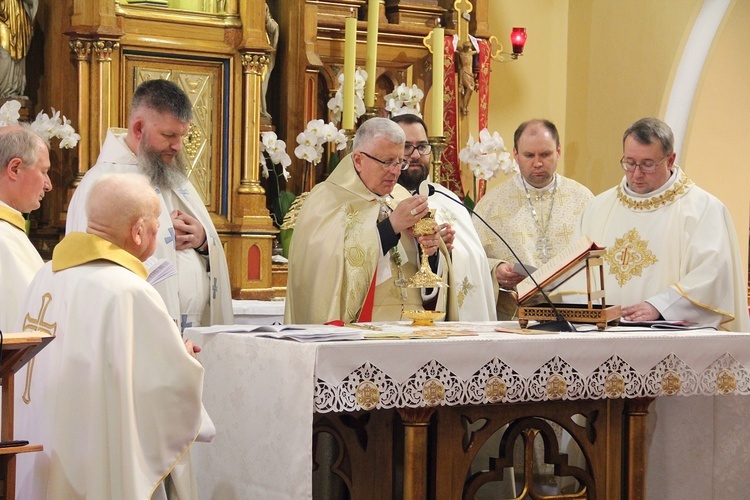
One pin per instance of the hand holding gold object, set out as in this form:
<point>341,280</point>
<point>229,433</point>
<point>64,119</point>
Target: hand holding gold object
<point>425,278</point>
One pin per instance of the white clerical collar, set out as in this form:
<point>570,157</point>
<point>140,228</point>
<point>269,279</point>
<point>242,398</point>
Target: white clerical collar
<point>670,182</point>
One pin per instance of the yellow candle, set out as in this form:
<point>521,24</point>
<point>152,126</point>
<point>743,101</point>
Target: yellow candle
<point>438,39</point>
<point>350,56</point>
<point>373,17</point>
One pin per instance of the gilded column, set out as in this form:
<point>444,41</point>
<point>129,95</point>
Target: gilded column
<point>81,52</point>
<point>253,69</point>
<point>101,90</point>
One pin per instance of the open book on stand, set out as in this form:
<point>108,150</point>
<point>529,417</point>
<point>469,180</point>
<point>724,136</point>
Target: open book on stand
<point>559,269</point>
<point>582,255</point>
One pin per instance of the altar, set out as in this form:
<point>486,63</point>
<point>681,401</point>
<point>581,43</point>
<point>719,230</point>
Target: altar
<point>265,397</point>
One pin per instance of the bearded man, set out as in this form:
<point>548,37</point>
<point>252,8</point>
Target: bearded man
<point>160,115</point>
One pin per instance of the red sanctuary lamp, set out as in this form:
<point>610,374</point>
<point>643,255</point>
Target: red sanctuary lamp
<point>518,39</point>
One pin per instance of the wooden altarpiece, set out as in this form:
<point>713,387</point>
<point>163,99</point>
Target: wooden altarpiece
<point>217,52</point>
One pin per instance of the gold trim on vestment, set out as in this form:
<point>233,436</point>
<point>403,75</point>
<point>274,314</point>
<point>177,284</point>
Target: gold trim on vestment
<point>652,203</point>
<point>730,317</point>
<point>13,217</point>
<point>77,249</point>
<point>628,256</point>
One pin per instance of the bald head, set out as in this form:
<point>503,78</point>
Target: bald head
<point>124,209</point>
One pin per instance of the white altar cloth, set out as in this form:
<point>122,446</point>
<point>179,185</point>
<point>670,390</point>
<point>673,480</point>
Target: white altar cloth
<point>258,312</point>
<point>262,393</point>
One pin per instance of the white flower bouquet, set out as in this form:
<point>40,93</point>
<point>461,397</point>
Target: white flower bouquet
<point>404,100</point>
<point>488,155</point>
<point>336,103</point>
<point>46,126</point>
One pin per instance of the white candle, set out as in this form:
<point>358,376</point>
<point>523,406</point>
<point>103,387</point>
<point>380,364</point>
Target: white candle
<point>371,65</point>
<point>438,39</point>
<point>350,57</point>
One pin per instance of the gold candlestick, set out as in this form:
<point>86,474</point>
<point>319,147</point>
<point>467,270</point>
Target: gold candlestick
<point>438,144</point>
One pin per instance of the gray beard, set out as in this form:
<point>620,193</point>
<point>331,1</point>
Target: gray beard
<point>163,175</point>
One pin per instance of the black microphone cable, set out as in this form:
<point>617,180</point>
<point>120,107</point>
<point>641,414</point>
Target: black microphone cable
<point>560,324</point>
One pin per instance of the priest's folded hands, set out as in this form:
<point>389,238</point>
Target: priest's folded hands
<point>189,232</point>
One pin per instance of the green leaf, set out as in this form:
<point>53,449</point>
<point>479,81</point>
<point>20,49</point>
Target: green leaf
<point>280,206</point>
<point>469,202</point>
<point>285,238</point>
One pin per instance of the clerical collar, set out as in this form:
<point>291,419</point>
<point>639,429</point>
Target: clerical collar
<point>677,185</point>
<point>13,216</point>
<point>520,183</point>
<point>77,249</point>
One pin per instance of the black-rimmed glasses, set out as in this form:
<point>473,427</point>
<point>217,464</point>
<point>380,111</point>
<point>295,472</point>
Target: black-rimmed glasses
<point>422,149</point>
<point>402,164</point>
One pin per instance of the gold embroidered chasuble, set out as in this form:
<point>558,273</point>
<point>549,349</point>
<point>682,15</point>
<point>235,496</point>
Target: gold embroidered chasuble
<point>508,210</point>
<point>335,253</point>
<point>675,248</point>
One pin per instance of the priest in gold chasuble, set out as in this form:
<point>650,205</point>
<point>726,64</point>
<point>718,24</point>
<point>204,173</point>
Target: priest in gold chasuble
<point>352,252</point>
<point>672,251</point>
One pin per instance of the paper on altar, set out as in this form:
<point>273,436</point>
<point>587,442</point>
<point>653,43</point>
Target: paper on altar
<point>300,333</point>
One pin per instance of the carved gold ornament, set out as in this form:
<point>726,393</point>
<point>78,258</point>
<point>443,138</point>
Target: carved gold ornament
<point>433,392</point>
<point>671,383</point>
<point>368,395</point>
<point>628,256</point>
<point>557,386</point>
<point>495,389</point>
<point>614,385</point>
<point>726,382</point>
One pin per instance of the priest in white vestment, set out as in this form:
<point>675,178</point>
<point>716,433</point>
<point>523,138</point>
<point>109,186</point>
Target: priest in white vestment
<point>672,251</point>
<point>536,211</point>
<point>470,275</point>
<point>353,252</point>
<point>24,157</point>
<point>115,398</point>
<point>160,114</point>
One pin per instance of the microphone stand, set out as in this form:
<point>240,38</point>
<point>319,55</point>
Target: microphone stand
<point>560,324</point>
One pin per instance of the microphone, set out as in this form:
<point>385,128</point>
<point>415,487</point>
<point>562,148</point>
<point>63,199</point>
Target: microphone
<point>559,324</point>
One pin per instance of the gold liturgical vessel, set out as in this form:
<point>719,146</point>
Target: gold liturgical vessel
<point>424,278</point>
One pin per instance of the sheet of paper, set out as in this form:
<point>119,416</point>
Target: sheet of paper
<point>519,269</point>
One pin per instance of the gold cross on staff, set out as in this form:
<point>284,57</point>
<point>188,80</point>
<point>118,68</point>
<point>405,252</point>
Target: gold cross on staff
<point>463,8</point>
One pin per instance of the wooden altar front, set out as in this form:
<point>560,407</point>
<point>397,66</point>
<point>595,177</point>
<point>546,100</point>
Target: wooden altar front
<point>427,406</point>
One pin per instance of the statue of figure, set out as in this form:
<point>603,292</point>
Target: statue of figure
<point>16,18</point>
<point>272,34</point>
<point>466,74</point>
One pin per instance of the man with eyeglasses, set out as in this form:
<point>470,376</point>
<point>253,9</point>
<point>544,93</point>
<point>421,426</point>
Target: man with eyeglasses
<point>353,250</point>
<point>535,211</point>
<point>470,295</point>
<point>672,251</point>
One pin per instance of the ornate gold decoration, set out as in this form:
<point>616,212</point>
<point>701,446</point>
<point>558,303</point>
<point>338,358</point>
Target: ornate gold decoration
<point>463,289</point>
<point>671,383</point>
<point>422,318</point>
<point>726,382</point>
<point>192,141</point>
<point>368,395</point>
<point>425,278</point>
<point>556,386</point>
<point>433,392</point>
<point>666,198</point>
<point>495,389</point>
<point>29,325</point>
<point>614,385</point>
<point>628,256</point>
<point>81,49</point>
<point>103,49</point>
<point>254,63</point>
<point>290,219</point>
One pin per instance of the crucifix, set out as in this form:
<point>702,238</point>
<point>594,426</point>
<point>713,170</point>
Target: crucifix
<point>543,246</point>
